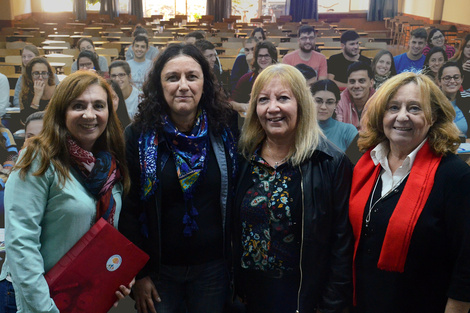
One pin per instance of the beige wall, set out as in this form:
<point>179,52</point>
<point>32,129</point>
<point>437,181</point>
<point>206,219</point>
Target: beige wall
<point>418,7</point>
<point>5,12</point>
<point>21,7</point>
<point>456,11</point>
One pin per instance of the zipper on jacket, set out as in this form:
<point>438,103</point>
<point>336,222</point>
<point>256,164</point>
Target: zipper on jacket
<point>301,240</point>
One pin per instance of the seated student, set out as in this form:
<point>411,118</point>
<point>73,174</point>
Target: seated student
<point>140,66</point>
<point>383,67</point>
<point>434,60</point>
<point>413,60</point>
<point>265,55</point>
<point>450,78</point>
<point>258,33</point>
<point>120,72</point>
<point>309,73</point>
<point>4,95</point>
<point>28,52</point>
<point>192,37</point>
<point>119,104</point>
<point>437,39</point>
<point>354,97</point>
<point>151,53</point>
<point>243,62</point>
<point>339,63</point>
<point>38,87</point>
<point>208,50</point>
<point>8,156</point>
<point>88,61</point>
<point>33,125</point>
<point>306,53</point>
<point>326,95</point>
<point>87,44</point>
<point>462,57</point>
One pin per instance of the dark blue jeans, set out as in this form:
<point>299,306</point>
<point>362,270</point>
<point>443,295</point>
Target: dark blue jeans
<point>193,289</point>
<point>7,297</point>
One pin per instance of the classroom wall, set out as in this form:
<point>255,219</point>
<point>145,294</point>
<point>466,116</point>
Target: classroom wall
<point>21,7</point>
<point>5,12</point>
<point>456,12</point>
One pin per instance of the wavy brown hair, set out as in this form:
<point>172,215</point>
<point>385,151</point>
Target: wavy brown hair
<point>443,136</point>
<point>50,145</point>
<point>27,89</point>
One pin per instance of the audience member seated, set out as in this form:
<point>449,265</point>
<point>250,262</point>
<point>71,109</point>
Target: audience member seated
<point>151,53</point>
<point>140,66</point>
<point>326,95</point>
<point>450,79</point>
<point>309,73</point>
<point>413,60</point>
<point>383,67</point>
<point>192,37</point>
<point>38,87</point>
<point>88,61</point>
<point>119,103</point>
<point>265,55</point>
<point>258,33</point>
<point>4,95</point>
<point>354,98</point>
<point>33,126</point>
<point>208,50</point>
<point>437,39</point>
<point>120,72</point>
<point>8,156</point>
<point>433,62</point>
<point>462,57</point>
<point>339,63</point>
<point>87,44</point>
<point>306,53</point>
<point>243,62</point>
<point>28,52</point>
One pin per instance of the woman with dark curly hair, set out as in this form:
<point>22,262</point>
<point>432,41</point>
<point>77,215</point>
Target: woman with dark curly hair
<point>38,87</point>
<point>181,152</point>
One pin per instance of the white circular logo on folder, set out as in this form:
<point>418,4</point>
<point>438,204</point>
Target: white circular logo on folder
<point>113,263</point>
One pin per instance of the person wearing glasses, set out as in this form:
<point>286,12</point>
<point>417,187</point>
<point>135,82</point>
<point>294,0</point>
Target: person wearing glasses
<point>87,44</point>
<point>265,55</point>
<point>450,78</point>
<point>120,72</point>
<point>437,39</point>
<point>462,57</point>
<point>306,53</point>
<point>88,61</point>
<point>38,87</point>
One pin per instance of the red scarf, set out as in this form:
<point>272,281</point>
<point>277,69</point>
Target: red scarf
<point>99,174</point>
<point>409,207</point>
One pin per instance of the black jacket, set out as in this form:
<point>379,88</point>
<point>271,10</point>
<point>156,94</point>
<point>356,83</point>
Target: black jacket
<point>140,220</point>
<point>326,245</point>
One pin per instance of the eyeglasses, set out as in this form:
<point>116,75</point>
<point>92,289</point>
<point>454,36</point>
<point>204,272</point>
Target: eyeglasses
<point>447,79</point>
<point>264,56</point>
<point>120,75</point>
<point>320,102</point>
<point>437,37</point>
<point>37,74</point>
<point>311,38</point>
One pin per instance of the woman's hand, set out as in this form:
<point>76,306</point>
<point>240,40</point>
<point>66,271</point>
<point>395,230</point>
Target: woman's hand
<point>144,292</point>
<point>466,66</point>
<point>39,86</point>
<point>123,292</point>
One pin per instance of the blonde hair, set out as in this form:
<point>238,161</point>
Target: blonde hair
<point>51,145</point>
<point>443,135</point>
<point>307,131</point>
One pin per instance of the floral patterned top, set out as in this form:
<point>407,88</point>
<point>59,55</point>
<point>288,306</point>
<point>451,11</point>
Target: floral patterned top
<point>270,215</point>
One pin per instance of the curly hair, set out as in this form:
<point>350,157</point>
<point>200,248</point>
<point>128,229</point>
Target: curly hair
<point>153,105</point>
<point>443,136</point>
<point>27,89</point>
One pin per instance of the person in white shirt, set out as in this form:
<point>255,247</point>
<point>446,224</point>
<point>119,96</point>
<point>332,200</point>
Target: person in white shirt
<point>120,72</point>
<point>140,66</point>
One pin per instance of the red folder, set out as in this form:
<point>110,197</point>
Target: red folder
<point>89,274</point>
